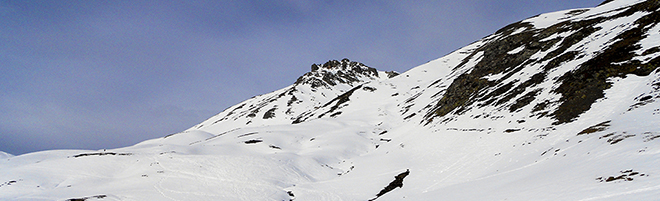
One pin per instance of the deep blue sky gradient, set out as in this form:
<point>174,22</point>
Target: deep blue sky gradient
<point>106,74</point>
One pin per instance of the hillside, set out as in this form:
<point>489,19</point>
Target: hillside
<point>559,106</point>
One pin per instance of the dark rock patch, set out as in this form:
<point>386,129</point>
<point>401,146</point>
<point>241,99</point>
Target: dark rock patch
<point>614,138</point>
<point>9,183</point>
<point>291,195</point>
<point>650,136</point>
<point>625,175</point>
<point>595,128</point>
<point>349,72</point>
<point>274,147</point>
<point>270,113</point>
<point>247,134</point>
<point>579,88</point>
<point>86,198</point>
<point>253,141</point>
<point>397,183</point>
<point>336,104</point>
<point>102,154</point>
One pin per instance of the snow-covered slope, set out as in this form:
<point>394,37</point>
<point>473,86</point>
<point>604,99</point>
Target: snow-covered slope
<point>310,91</point>
<point>4,155</point>
<point>560,106</point>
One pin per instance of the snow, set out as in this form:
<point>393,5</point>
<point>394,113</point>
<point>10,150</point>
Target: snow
<point>515,51</point>
<point>487,153</point>
<point>610,9</point>
<point>519,30</point>
<point>4,155</point>
<point>651,41</point>
<point>546,20</point>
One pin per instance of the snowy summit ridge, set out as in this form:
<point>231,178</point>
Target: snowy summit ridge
<point>310,91</point>
<point>560,106</point>
<point>333,72</point>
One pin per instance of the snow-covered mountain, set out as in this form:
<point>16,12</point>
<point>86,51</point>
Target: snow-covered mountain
<point>311,91</point>
<point>560,106</point>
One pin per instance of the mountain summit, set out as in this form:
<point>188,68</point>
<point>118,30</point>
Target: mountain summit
<point>559,106</point>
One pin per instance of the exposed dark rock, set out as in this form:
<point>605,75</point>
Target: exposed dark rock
<point>247,134</point>
<point>391,74</point>
<point>86,198</point>
<point>409,116</point>
<point>293,99</point>
<point>397,183</point>
<point>625,175</point>
<point>270,113</point>
<point>650,136</point>
<point>524,100</point>
<point>460,94</point>
<point>334,72</point>
<point>614,138</point>
<point>253,141</point>
<point>9,183</point>
<point>274,147</point>
<point>579,88</point>
<point>102,154</point>
<point>595,128</point>
<point>367,88</point>
<point>645,98</point>
<point>336,104</point>
<point>335,114</point>
<point>582,87</point>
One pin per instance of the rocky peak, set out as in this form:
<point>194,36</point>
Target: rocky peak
<point>336,72</point>
<point>345,65</point>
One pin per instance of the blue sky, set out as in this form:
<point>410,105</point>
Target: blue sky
<point>108,74</point>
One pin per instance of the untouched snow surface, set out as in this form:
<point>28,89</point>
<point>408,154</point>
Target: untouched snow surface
<point>349,141</point>
<point>4,155</point>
